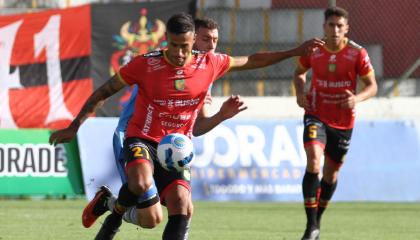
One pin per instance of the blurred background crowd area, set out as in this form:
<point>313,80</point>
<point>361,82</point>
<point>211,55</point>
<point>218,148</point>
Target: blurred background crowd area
<point>387,29</point>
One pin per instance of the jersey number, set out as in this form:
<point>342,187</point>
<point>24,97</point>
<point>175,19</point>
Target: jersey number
<point>312,131</point>
<point>140,152</point>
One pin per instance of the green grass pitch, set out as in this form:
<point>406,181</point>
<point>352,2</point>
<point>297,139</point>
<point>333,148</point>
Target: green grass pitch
<point>61,219</point>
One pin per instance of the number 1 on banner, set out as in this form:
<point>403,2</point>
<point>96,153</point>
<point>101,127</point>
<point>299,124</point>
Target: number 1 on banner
<point>49,38</point>
<point>7,80</point>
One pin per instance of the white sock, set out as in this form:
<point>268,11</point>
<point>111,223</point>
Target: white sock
<point>188,229</point>
<point>111,202</point>
<point>130,216</point>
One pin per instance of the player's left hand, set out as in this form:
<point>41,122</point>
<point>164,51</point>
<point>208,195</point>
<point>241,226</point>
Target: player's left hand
<point>232,106</point>
<point>349,100</point>
<point>63,136</point>
<point>310,46</point>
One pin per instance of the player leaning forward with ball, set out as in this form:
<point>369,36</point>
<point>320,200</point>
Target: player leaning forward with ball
<point>168,100</point>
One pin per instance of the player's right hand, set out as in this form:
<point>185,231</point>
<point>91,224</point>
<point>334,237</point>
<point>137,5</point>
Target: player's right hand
<point>62,136</point>
<point>310,46</point>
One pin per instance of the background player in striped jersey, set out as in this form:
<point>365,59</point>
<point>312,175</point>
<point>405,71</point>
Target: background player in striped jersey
<point>330,110</point>
<point>172,86</point>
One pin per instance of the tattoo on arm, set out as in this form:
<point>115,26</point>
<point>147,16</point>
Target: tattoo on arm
<point>112,86</point>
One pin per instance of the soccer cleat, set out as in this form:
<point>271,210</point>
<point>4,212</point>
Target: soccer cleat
<point>109,228</point>
<point>96,207</point>
<point>311,234</point>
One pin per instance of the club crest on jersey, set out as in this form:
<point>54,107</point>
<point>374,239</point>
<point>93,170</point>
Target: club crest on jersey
<point>332,67</point>
<point>180,84</point>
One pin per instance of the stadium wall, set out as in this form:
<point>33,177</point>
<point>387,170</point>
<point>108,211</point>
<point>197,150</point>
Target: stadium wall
<point>259,156</point>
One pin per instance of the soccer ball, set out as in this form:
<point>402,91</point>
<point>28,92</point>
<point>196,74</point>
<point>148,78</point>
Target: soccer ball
<point>175,152</point>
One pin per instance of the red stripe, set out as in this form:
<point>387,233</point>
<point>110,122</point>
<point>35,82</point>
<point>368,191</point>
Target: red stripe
<point>318,194</point>
<point>28,113</point>
<point>311,205</point>
<point>135,162</point>
<point>171,185</point>
<point>74,33</point>
<point>314,142</point>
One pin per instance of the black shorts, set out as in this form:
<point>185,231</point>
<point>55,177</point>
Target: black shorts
<point>138,150</point>
<point>335,141</point>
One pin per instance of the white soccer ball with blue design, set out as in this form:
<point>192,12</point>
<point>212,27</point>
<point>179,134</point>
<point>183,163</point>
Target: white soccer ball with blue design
<point>175,152</point>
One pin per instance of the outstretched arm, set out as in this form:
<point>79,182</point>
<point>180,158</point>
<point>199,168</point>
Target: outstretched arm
<point>299,82</point>
<point>232,106</point>
<point>263,59</point>
<point>113,85</point>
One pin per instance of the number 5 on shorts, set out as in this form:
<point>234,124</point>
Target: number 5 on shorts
<point>312,133</point>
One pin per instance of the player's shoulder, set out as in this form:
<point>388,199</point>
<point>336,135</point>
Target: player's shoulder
<point>156,53</point>
<point>354,45</point>
<point>198,52</point>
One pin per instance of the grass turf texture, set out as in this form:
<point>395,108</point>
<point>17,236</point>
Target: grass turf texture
<point>61,219</point>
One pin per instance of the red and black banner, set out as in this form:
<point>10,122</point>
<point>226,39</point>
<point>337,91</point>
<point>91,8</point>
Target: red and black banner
<point>51,61</point>
<point>44,67</point>
<point>123,30</point>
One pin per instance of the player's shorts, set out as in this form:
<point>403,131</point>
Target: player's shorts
<point>142,150</point>
<point>336,142</point>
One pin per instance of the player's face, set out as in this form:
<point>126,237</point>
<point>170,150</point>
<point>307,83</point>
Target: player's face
<point>206,39</point>
<point>180,47</point>
<point>335,29</point>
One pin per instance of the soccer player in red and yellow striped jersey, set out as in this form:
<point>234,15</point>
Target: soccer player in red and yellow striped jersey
<point>330,110</point>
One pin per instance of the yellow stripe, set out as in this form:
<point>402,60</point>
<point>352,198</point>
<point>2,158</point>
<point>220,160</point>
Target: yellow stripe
<point>260,88</point>
<point>231,61</point>
<point>121,78</point>
<point>370,73</point>
<point>267,32</point>
<point>300,25</point>
<point>232,26</point>
<point>226,83</point>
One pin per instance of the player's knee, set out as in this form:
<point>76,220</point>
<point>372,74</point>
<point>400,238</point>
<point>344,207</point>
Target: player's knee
<point>151,221</point>
<point>313,165</point>
<point>190,209</point>
<point>141,186</point>
<point>179,202</point>
<point>313,168</point>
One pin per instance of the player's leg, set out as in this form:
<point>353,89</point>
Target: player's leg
<point>101,202</point>
<point>178,203</point>
<point>314,142</point>
<point>175,194</point>
<point>335,152</point>
<point>104,200</point>
<point>148,211</point>
<point>139,168</point>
